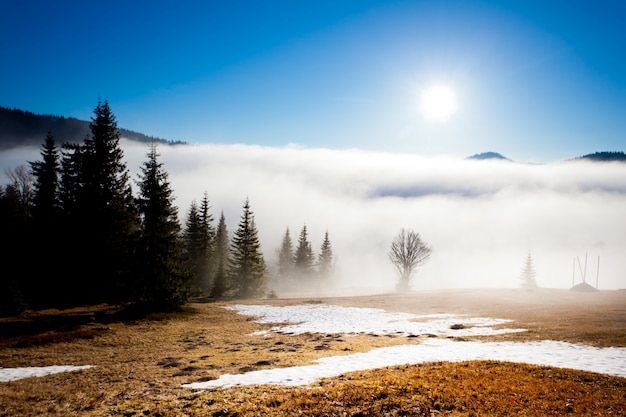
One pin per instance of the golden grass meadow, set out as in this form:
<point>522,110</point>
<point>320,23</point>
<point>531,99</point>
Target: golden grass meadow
<point>140,363</point>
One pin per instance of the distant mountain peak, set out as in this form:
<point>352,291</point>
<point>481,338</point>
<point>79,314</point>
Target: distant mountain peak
<point>488,155</point>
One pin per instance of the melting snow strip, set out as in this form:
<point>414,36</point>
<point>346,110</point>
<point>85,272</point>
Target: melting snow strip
<point>13,374</point>
<point>322,318</point>
<point>610,361</point>
<point>335,319</point>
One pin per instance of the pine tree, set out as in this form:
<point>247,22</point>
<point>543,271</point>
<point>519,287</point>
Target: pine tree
<point>46,186</point>
<point>528,274</point>
<point>195,249</point>
<point>325,258</point>
<point>247,266</point>
<point>286,258</point>
<point>199,239</point>
<point>102,217</point>
<point>222,258</point>
<point>12,230</point>
<point>208,242</point>
<point>46,280</point>
<point>71,181</point>
<point>163,280</point>
<point>304,260</point>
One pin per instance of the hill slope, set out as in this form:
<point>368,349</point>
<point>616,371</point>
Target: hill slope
<point>23,128</point>
<point>488,155</point>
<point>603,157</point>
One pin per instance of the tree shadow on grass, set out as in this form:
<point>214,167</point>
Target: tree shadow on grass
<point>36,328</point>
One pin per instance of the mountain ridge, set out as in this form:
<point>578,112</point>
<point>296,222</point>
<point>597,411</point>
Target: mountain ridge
<point>25,128</point>
<point>489,155</point>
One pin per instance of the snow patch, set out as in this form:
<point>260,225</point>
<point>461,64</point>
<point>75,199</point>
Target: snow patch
<point>13,374</point>
<point>610,361</point>
<point>336,319</point>
<point>321,318</point>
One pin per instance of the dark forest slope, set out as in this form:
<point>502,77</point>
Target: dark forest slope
<point>23,128</point>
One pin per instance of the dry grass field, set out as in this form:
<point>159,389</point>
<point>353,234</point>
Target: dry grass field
<point>141,362</point>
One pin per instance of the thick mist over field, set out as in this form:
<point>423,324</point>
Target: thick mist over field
<point>481,218</point>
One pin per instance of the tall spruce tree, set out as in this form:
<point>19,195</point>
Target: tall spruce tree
<point>247,266</point>
<point>325,258</point>
<point>162,278</point>
<point>304,259</point>
<point>102,215</point>
<point>46,278</point>
<point>221,257</point>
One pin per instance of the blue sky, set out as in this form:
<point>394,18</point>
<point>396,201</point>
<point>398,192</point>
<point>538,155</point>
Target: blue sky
<point>538,81</point>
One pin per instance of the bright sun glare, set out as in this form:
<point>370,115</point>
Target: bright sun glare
<point>438,103</point>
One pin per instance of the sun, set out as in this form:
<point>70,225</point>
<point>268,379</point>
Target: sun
<point>438,103</point>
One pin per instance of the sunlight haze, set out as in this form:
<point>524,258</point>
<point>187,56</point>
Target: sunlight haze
<point>438,103</point>
<point>541,82</point>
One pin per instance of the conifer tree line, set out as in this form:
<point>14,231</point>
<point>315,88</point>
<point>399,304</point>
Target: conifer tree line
<point>299,268</point>
<point>76,233</point>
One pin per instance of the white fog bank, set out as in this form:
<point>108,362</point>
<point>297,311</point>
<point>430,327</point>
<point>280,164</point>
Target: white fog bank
<point>481,218</point>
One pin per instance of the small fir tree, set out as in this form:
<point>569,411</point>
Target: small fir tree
<point>325,258</point>
<point>286,258</point>
<point>221,257</point>
<point>304,260</point>
<point>247,266</point>
<point>199,236</point>
<point>208,243</point>
<point>195,246</point>
<point>46,186</point>
<point>528,274</point>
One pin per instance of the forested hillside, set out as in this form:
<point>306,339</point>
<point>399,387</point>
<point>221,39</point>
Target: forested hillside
<point>604,157</point>
<point>77,233</point>
<point>23,128</point>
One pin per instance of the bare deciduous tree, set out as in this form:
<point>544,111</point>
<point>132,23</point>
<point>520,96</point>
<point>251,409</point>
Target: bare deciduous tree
<point>22,181</point>
<point>408,251</point>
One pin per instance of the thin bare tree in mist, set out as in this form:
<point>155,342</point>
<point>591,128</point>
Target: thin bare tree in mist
<point>22,184</point>
<point>408,251</point>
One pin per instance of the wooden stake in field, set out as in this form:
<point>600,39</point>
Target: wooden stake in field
<point>598,272</point>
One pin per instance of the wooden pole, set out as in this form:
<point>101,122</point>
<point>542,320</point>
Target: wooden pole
<point>581,269</point>
<point>598,272</point>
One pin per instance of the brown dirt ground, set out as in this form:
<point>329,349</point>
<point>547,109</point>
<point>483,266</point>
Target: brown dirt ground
<point>141,362</point>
